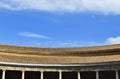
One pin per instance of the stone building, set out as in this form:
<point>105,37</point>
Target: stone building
<point>100,62</point>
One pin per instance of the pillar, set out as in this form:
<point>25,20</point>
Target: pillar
<point>117,74</point>
<point>97,74</point>
<point>60,74</point>
<point>41,77</point>
<point>23,74</point>
<point>3,74</point>
<point>79,77</point>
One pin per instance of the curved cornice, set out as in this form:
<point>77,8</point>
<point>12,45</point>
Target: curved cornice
<point>58,65</point>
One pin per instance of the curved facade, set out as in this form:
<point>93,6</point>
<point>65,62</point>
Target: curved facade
<point>100,62</point>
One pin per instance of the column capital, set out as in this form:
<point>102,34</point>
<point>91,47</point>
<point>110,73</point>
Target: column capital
<point>116,70</point>
<point>23,70</point>
<point>41,71</point>
<point>60,71</point>
<point>3,69</point>
<point>96,70</point>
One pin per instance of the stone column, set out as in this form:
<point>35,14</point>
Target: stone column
<point>97,74</point>
<point>79,77</point>
<point>60,74</point>
<point>117,74</point>
<point>41,77</point>
<point>3,74</point>
<point>23,74</point>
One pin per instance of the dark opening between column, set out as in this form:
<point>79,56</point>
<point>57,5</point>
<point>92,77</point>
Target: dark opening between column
<point>51,75</point>
<point>119,74</point>
<point>32,75</point>
<point>69,75</point>
<point>88,75</point>
<point>107,75</point>
<point>0,74</point>
<point>9,74</point>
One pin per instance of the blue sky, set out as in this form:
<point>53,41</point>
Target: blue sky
<point>59,23</point>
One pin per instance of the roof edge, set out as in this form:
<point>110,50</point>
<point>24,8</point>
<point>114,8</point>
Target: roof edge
<point>76,51</point>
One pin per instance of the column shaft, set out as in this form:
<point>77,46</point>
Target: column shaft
<point>117,74</point>
<point>3,74</point>
<point>79,77</point>
<point>97,75</point>
<point>41,77</point>
<point>23,74</point>
<point>60,74</point>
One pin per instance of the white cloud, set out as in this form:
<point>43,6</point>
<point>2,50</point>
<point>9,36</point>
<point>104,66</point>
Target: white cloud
<point>2,5</point>
<point>33,35</point>
<point>102,6</point>
<point>76,44</point>
<point>64,43</point>
<point>68,43</point>
<point>113,40</point>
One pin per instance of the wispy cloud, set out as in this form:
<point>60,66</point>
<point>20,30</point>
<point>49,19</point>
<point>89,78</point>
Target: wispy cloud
<point>33,35</point>
<point>68,43</point>
<point>63,43</point>
<point>77,43</point>
<point>94,6</point>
